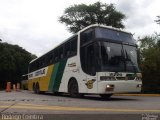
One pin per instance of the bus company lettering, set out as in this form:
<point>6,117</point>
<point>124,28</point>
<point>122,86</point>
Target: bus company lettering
<point>117,74</point>
<point>40,72</point>
<point>72,65</point>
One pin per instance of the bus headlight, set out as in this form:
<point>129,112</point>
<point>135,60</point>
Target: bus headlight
<point>138,77</point>
<point>139,86</point>
<point>109,87</point>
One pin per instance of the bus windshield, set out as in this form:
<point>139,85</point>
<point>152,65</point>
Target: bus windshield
<point>118,58</point>
<point>130,53</point>
<point>112,58</point>
<point>105,49</point>
<point>114,35</point>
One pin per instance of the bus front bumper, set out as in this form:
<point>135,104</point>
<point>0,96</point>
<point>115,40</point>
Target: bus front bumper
<point>119,86</point>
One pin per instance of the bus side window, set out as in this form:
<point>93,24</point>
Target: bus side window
<point>86,36</point>
<point>51,58</point>
<point>31,67</point>
<point>71,47</point>
<point>61,52</point>
<point>39,64</point>
<point>67,49</point>
<point>74,46</point>
<point>56,57</point>
<point>90,61</point>
<point>43,62</point>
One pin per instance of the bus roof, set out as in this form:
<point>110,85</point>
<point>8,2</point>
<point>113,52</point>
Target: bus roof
<point>90,26</point>
<point>108,27</point>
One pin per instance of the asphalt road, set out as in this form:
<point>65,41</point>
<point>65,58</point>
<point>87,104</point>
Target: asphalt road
<point>91,106</point>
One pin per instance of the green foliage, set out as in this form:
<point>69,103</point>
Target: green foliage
<point>77,17</point>
<point>150,63</point>
<point>14,62</point>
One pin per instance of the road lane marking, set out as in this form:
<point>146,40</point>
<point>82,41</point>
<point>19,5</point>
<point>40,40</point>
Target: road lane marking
<point>59,108</point>
<point>7,107</point>
<point>6,102</point>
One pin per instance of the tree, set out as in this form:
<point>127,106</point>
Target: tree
<point>158,20</point>
<point>77,17</point>
<point>150,63</point>
<point>14,62</point>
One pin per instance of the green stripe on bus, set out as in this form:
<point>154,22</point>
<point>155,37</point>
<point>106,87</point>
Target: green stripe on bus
<point>53,77</point>
<point>59,75</point>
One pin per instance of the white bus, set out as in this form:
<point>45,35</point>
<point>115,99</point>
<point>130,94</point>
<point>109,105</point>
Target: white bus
<point>96,60</point>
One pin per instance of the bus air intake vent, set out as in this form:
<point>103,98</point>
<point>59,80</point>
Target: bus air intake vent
<point>120,78</point>
<point>125,78</point>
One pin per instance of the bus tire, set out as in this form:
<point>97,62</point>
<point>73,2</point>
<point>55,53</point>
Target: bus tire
<point>37,88</point>
<point>73,88</point>
<point>105,96</point>
<point>34,87</point>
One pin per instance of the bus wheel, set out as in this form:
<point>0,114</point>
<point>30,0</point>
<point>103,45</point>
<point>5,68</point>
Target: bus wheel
<point>37,88</point>
<point>105,96</point>
<point>73,89</point>
<point>34,87</point>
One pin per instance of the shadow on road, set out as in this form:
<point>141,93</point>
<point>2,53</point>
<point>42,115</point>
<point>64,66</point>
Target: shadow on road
<point>95,97</point>
<point>113,98</point>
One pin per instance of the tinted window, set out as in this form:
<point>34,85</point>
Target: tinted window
<point>114,35</point>
<point>66,50</point>
<point>87,36</point>
<point>131,58</point>
<point>71,47</point>
<point>50,58</point>
<point>56,55</point>
<point>112,57</point>
<point>88,59</point>
<point>61,52</point>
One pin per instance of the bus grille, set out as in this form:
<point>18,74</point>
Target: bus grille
<point>131,78</point>
<point>120,78</point>
<point>125,78</point>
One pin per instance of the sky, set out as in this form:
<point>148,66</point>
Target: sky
<point>34,25</point>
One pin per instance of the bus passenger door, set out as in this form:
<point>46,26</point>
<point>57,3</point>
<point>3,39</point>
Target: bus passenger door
<point>91,82</point>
